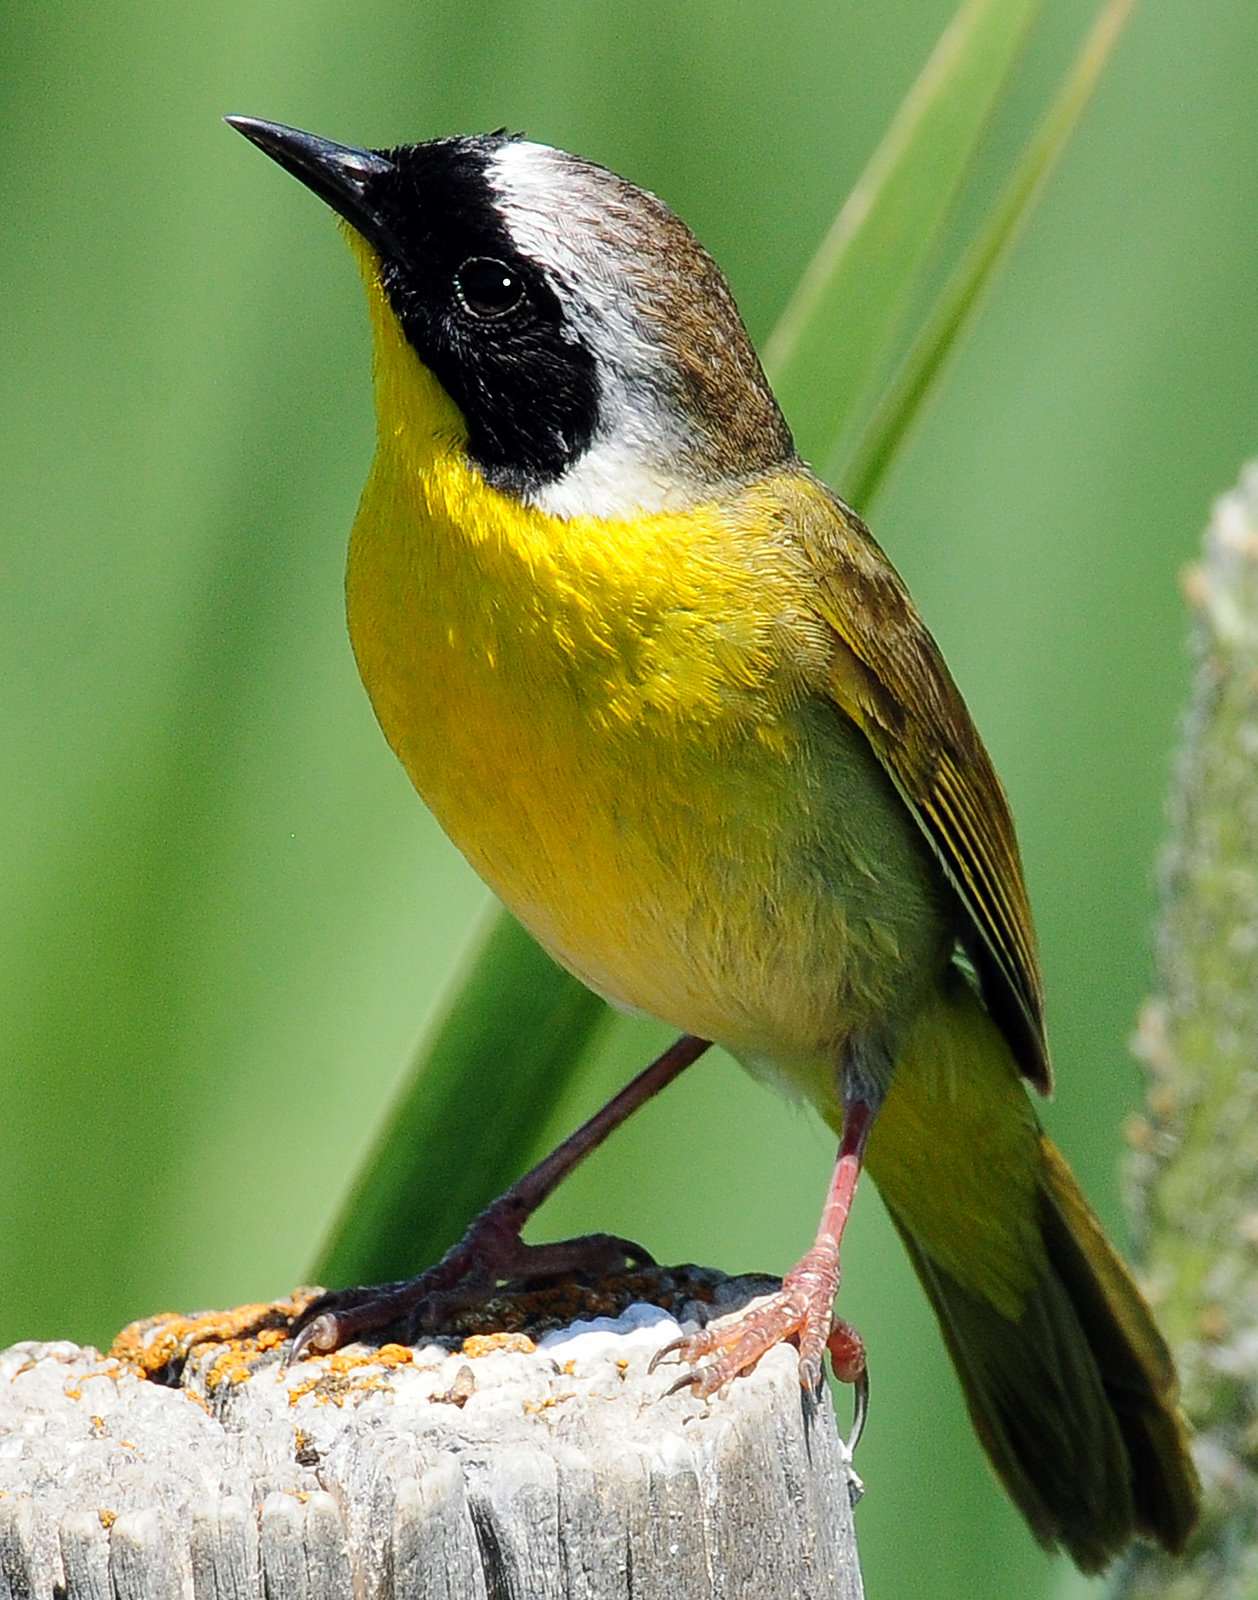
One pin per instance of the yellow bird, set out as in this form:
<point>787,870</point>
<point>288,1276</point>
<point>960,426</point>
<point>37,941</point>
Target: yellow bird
<point>673,703</point>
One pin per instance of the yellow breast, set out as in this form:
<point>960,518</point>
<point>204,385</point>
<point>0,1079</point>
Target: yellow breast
<point>616,722</point>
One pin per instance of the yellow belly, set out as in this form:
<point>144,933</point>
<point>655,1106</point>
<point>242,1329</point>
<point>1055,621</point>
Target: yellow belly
<point>616,725</point>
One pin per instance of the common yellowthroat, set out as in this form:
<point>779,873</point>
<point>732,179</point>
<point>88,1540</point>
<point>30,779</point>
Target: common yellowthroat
<point>671,700</point>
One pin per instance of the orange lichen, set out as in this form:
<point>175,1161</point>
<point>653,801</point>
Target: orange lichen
<point>233,1365</point>
<point>532,1407</point>
<point>484,1344</point>
<point>230,1345</point>
<point>334,1386</point>
<point>395,1355</point>
<point>157,1345</point>
<point>353,1370</point>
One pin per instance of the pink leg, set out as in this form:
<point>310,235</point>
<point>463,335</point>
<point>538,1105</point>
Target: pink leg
<point>803,1307</point>
<point>491,1250</point>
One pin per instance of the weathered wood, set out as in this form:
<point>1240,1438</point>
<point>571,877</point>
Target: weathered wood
<point>494,1466</point>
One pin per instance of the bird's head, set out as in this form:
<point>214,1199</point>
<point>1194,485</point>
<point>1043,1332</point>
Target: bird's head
<point>589,343</point>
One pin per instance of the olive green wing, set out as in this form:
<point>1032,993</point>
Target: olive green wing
<point>888,675</point>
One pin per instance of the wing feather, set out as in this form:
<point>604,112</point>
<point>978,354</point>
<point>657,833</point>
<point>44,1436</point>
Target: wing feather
<point>888,675</point>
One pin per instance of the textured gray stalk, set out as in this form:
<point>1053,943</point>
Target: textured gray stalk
<point>562,1472</point>
<point>1194,1167</point>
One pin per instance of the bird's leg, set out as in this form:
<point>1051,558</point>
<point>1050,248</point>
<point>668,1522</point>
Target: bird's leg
<point>803,1308</point>
<point>491,1250</point>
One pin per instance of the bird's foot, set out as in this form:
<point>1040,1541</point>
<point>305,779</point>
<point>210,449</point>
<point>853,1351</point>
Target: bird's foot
<point>803,1310</point>
<point>491,1252</point>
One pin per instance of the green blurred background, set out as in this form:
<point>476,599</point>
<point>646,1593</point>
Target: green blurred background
<point>224,916</point>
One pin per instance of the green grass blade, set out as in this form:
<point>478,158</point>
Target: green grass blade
<point>496,1058</point>
<point>859,471</point>
<point>838,332</point>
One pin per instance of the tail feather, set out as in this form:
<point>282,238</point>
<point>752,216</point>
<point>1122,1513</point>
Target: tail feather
<point>1134,1363</point>
<point>1070,1386</point>
<point>1074,1400</point>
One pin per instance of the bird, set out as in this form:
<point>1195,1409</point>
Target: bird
<point>665,692</point>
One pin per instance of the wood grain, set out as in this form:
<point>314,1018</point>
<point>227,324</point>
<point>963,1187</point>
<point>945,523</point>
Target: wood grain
<point>483,1468</point>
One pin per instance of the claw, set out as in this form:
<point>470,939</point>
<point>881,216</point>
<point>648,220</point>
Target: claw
<point>686,1381</point>
<point>811,1377</point>
<point>668,1349</point>
<point>860,1408</point>
<point>319,1336</point>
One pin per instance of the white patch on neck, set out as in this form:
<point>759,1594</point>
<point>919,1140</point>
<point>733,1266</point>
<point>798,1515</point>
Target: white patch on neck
<point>613,481</point>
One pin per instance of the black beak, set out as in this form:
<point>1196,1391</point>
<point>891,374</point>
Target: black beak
<point>346,178</point>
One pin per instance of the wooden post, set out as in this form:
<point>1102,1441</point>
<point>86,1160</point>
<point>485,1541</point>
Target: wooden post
<point>542,1463</point>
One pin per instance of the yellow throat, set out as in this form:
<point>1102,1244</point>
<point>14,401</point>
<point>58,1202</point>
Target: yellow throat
<point>616,722</point>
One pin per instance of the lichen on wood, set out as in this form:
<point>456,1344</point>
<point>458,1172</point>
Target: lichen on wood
<point>541,1459</point>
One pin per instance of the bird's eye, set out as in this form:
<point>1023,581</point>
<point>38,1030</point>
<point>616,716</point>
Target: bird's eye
<point>488,288</point>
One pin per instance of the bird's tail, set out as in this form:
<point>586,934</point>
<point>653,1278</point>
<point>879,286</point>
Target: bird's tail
<point>1070,1386</point>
